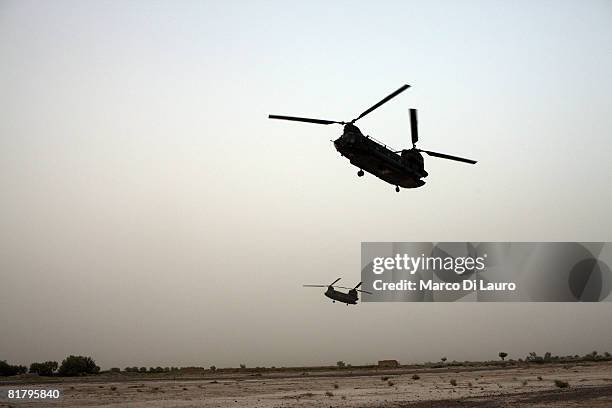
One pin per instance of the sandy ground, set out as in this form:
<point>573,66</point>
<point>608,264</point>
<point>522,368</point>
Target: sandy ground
<point>589,385</point>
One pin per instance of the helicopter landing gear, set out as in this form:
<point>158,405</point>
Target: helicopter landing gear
<point>333,301</point>
<point>397,189</point>
<point>360,173</point>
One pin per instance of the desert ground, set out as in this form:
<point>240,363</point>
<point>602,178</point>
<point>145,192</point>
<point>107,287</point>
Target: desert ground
<point>589,384</point>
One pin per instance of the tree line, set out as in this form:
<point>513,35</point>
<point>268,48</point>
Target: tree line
<point>71,366</point>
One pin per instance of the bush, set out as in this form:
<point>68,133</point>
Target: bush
<point>341,364</point>
<point>213,368</point>
<point>45,369</point>
<point>453,382</point>
<point>7,369</point>
<point>142,369</point>
<point>78,365</point>
<point>415,377</point>
<point>115,370</point>
<point>243,366</point>
<point>561,384</point>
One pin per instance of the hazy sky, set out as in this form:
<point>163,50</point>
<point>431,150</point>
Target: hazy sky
<point>151,214</point>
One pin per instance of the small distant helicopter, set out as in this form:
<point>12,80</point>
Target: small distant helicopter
<point>349,298</point>
<point>402,168</point>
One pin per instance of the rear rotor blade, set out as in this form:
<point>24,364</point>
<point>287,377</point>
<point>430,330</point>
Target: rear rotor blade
<point>364,291</point>
<point>449,157</point>
<point>383,101</point>
<point>314,286</point>
<point>414,130</point>
<point>297,119</point>
<point>332,284</point>
<point>358,285</point>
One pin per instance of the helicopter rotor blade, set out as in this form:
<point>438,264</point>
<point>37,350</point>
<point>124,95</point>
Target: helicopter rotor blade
<point>449,157</point>
<point>298,119</point>
<point>414,130</point>
<point>364,291</point>
<point>358,285</point>
<point>314,286</point>
<point>383,101</point>
<point>332,284</point>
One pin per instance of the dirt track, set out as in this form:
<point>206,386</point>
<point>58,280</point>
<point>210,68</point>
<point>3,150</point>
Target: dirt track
<point>588,385</point>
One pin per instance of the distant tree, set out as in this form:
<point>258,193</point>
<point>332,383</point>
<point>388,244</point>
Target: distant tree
<point>340,364</point>
<point>213,368</point>
<point>44,369</point>
<point>166,369</point>
<point>142,369</point>
<point>115,370</point>
<point>534,358</point>
<point>607,355</point>
<point>503,355</point>
<point>547,356</point>
<point>7,369</point>
<point>242,365</point>
<point>78,365</point>
<point>443,359</point>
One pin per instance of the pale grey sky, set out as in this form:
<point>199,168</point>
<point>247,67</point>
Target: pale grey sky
<point>151,214</point>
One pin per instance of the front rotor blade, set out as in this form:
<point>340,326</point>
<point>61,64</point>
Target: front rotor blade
<point>414,130</point>
<point>385,100</point>
<point>314,286</point>
<point>294,118</point>
<point>332,284</point>
<point>449,157</point>
<point>364,291</point>
<point>358,285</point>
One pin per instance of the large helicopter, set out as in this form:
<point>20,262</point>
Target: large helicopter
<point>349,298</point>
<point>403,168</point>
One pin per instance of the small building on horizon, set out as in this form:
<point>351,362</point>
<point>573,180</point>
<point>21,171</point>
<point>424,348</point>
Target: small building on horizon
<point>388,364</point>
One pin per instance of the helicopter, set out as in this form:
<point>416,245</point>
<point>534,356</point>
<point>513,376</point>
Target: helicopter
<point>403,168</point>
<point>349,298</point>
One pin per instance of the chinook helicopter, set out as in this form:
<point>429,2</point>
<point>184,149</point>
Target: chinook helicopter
<point>349,298</point>
<point>404,168</point>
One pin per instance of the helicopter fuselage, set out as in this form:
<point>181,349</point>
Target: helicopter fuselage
<point>349,298</point>
<point>404,170</point>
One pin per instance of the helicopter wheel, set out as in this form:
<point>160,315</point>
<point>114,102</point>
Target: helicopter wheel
<point>397,189</point>
<point>360,173</point>
<point>333,301</point>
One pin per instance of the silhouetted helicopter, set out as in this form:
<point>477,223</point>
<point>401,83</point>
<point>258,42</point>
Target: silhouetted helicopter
<point>403,168</point>
<point>349,298</point>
